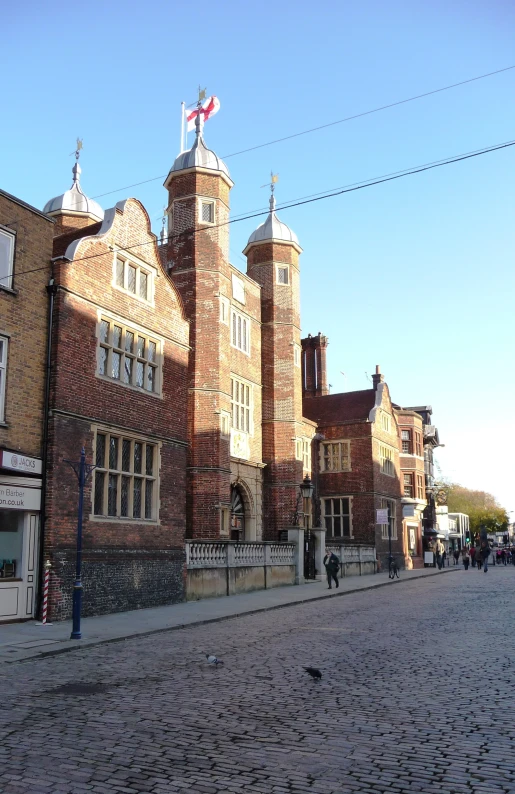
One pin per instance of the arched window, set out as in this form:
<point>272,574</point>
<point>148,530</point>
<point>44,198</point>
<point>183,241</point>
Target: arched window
<point>237,514</point>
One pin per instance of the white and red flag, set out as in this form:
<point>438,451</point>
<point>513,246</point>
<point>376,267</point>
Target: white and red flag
<point>209,107</point>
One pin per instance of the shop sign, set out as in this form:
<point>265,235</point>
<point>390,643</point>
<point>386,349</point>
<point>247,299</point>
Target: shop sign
<point>15,497</point>
<point>408,511</point>
<point>19,462</point>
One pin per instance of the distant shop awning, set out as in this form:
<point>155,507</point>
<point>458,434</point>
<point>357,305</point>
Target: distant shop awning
<point>430,531</point>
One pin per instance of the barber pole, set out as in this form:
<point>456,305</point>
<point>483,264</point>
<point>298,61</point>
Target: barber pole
<point>45,593</point>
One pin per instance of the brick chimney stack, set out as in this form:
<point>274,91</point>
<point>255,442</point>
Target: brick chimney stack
<point>314,370</point>
<point>377,378</point>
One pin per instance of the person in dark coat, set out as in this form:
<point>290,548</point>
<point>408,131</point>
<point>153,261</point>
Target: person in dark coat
<point>485,551</point>
<point>332,567</point>
<point>456,555</point>
<point>478,557</point>
<point>466,559</point>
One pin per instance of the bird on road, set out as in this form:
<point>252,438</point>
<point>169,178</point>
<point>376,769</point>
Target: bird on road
<point>213,659</point>
<point>313,672</point>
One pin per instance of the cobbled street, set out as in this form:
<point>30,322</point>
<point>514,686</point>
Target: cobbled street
<point>416,696</point>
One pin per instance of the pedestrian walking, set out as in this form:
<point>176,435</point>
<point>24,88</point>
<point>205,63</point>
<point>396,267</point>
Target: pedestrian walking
<point>478,557</point>
<point>473,556</point>
<point>465,558</point>
<point>485,551</point>
<point>456,556</point>
<point>332,567</point>
<point>503,557</point>
<point>439,551</point>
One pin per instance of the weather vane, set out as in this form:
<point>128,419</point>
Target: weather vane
<point>201,94</point>
<point>274,178</point>
<point>78,149</point>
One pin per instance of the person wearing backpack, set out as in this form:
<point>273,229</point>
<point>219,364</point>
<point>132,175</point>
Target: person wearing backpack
<point>332,567</point>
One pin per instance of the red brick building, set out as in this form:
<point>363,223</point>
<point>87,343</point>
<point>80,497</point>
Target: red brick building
<point>119,389</point>
<point>357,460</point>
<point>248,442</point>
<point>412,484</point>
<point>188,384</point>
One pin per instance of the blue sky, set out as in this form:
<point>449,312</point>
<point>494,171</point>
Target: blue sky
<point>415,275</point>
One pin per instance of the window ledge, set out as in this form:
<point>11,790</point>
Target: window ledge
<point>4,424</point>
<point>147,522</point>
<point>10,290</point>
<point>137,389</point>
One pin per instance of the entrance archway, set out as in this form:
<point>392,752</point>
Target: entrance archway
<point>237,514</point>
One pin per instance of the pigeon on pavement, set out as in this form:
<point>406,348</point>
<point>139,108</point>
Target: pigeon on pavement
<point>213,659</point>
<point>313,672</point>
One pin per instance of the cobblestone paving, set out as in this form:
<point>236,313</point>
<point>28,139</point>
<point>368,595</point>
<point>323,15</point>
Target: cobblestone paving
<point>416,696</point>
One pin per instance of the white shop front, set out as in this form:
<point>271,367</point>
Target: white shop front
<point>20,501</point>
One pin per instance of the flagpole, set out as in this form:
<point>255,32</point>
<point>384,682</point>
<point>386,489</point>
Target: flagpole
<point>183,110</point>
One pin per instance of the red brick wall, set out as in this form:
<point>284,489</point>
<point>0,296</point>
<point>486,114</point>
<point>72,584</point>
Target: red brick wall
<point>81,400</point>
<point>282,386</point>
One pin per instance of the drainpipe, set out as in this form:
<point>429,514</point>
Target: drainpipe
<point>52,291</point>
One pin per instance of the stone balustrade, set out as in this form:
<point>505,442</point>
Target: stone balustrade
<point>226,567</point>
<point>355,560</point>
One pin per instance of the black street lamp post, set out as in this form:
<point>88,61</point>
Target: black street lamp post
<point>390,557</point>
<point>83,471</point>
<point>306,489</point>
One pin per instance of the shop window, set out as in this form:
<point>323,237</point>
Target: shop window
<point>11,544</point>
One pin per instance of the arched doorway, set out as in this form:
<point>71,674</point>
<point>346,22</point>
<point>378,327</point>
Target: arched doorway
<point>237,514</point>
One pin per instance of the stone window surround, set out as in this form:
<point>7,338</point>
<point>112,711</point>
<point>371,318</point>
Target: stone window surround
<point>6,281</point>
<point>149,270</point>
<point>286,269</point>
<point>386,458</point>
<point>303,452</point>
<point>201,200</point>
<point>4,347</point>
<point>114,319</point>
<point>132,437</point>
<point>331,515</point>
<point>250,407</point>
<point>345,459</point>
<point>393,519</point>
<point>240,322</point>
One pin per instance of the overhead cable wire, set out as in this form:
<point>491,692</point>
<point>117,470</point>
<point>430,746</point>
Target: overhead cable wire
<point>329,124</point>
<point>298,203</point>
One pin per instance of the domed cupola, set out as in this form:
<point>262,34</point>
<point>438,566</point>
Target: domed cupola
<point>74,202</point>
<point>273,230</point>
<point>199,156</point>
